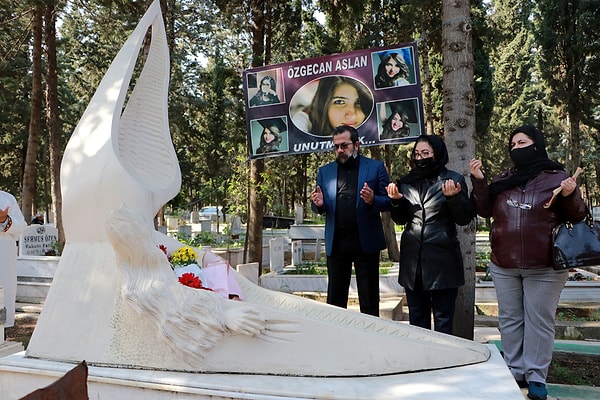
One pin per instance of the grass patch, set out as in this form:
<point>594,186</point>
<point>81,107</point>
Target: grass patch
<point>320,268</point>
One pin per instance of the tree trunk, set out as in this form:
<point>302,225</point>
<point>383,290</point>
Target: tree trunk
<point>389,230</point>
<point>52,118</point>
<point>257,200</point>
<point>304,180</point>
<point>574,159</point>
<point>426,86</point>
<point>256,212</point>
<point>459,133</point>
<point>33,141</point>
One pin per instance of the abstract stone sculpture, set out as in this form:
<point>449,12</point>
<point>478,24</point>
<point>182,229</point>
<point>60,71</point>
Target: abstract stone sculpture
<point>114,300</point>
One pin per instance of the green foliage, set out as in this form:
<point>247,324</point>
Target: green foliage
<point>212,239</point>
<point>384,267</point>
<point>568,37</point>
<point>57,249</point>
<point>204,238</point>
<point>482,261</point>
<point>15,92</point>
<point>570,314</point>
<point>309,268</point>
<point>535,62</point>
<point>320,268</point>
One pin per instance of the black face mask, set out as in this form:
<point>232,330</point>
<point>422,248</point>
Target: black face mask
<point>523,156</point>
<point>424,163</point>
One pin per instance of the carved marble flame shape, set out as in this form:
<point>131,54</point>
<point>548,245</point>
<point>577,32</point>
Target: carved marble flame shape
<point>114,300</point>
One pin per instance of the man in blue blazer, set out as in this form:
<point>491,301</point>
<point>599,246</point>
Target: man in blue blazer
<point>351,192</point>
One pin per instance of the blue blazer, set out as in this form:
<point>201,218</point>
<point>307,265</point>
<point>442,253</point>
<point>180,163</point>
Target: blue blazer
<point>370,228</point>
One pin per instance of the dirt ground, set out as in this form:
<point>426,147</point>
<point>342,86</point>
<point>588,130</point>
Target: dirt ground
<point>567,369</point>
<point>571,370</point>
<point>21,331</point>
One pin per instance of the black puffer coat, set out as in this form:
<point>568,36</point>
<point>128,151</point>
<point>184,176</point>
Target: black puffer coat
<point>429,241</point>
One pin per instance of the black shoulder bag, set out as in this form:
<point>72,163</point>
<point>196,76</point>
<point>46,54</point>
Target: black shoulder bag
<point>576,244</point>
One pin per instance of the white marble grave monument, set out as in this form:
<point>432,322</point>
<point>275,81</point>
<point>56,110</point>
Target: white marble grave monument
<point>115,303</point>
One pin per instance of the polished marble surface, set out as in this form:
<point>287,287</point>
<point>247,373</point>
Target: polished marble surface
<point>491,379</point>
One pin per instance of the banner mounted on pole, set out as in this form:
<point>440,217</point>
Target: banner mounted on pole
<point>291,108</point>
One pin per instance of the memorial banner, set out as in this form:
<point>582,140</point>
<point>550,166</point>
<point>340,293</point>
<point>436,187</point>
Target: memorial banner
<point>291,108</point>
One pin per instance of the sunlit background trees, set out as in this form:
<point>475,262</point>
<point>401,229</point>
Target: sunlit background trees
<point>534,62</point>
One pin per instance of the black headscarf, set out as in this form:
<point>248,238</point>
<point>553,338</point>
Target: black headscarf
<point>539,163</point>
<point>440,154</point>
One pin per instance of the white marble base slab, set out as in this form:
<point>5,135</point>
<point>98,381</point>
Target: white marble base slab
<point>8,348</point>
<point>288,283</point>
<point>490,380</point>
<point>37,266</point>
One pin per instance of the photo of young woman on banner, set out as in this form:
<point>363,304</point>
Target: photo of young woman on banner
<point>323,104</point>
<point>393,68</point>
<point>266,90</point>
<point>269,135</point>
<point>399,119</point>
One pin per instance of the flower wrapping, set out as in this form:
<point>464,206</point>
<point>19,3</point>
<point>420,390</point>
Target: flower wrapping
<point>192,276</point>
<point>220,280</point>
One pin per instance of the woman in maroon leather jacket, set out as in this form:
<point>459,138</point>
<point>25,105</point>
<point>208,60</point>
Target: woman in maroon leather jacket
<point>527,286</point>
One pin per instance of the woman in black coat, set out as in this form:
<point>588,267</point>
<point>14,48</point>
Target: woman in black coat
<point>430,200</point>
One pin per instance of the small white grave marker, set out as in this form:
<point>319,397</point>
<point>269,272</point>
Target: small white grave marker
<point>298,214</point>
<point>37,240</point>
<point>318,249</point>
<point>276,254</point>
<point>249,271</point>
<point>296,252</point>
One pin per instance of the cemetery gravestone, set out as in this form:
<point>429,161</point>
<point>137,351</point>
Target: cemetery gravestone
<point>37,240</point>
<point>296,252</point>
<point>298,214</point>
<point>318,249</point>
<point>249,271</point>
<point>276,254</point>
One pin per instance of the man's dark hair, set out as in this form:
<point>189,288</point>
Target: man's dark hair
<point>346,128</point>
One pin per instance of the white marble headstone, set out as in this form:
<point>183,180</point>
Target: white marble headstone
<point>37,240</point>
<point>298,214</point>
<point>296,252</point>
<point>318,249</point>
<point>276,254</point>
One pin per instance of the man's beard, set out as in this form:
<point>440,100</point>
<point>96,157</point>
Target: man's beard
<point>342,158</point>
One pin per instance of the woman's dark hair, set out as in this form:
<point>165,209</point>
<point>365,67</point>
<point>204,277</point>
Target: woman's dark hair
<point>382,79</point>
<point>274,144</point>
<point>271,81</point>
<point>440,151</point>
<point>440,155</point>
<point>319,106</point>
<point>389,133</point>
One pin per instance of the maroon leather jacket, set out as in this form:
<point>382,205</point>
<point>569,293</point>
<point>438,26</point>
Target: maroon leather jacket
<point>521,235</point>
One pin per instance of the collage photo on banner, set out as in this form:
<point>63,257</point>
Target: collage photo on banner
<point>292,108</point>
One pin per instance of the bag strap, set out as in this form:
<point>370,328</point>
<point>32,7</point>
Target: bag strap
<point>589,219</point>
